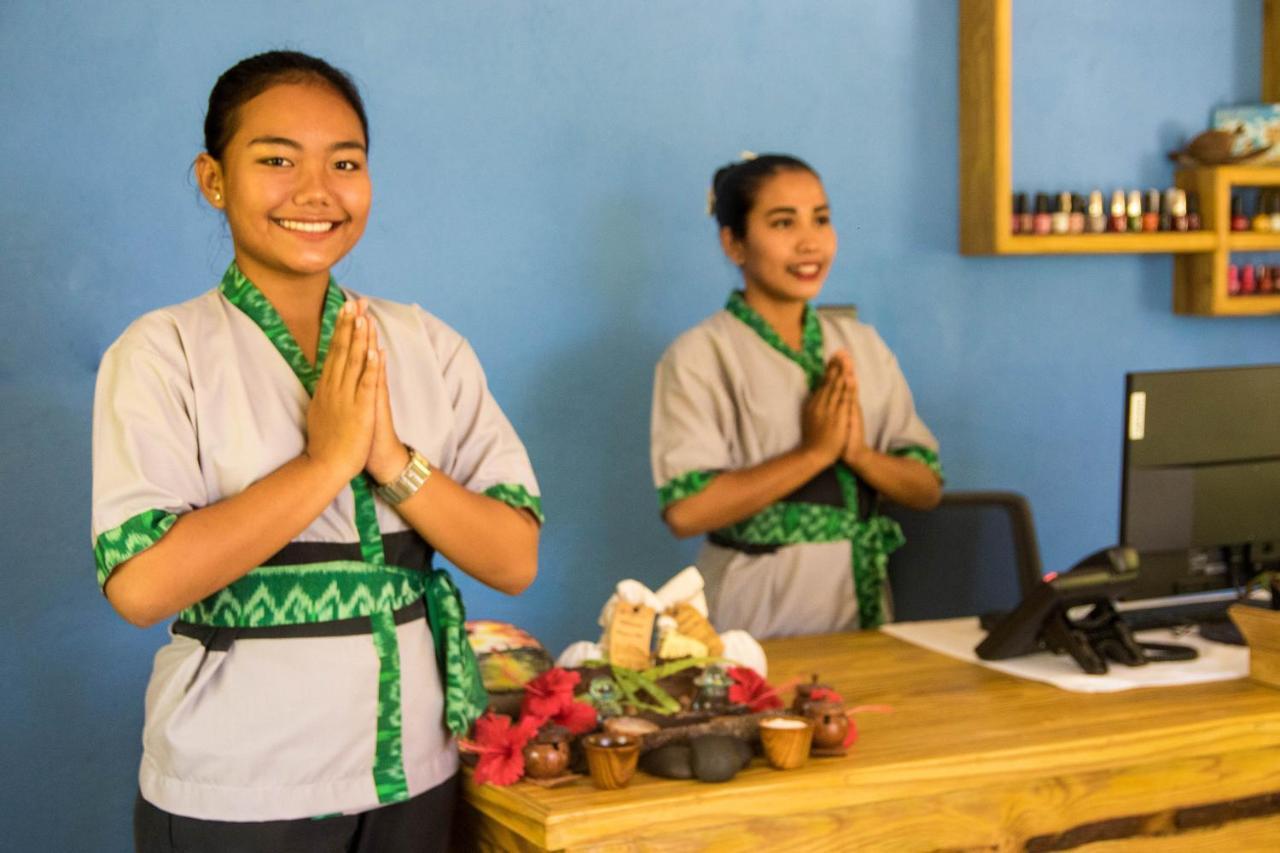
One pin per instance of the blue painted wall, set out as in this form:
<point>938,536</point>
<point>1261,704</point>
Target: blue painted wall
<point>540,172</point>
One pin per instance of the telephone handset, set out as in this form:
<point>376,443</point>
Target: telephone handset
<point>1043,620</point>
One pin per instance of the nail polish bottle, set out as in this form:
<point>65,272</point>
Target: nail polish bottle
<point>1265,283</point>
<point>1117,222</point>
<point>1077,214</point>
<point>1248,284</point>
<point>1262,211</point>
<point>1233,280</point>
<point>1194,222</point>
<point>1019,211</point>
<point>1043,222</point>
<point>1061,222</point>
<point>1134,210</point>
<point>1179,210</point>
<point>1166,213</point>
<point>1239,222</point>
<point>1096,221</point>
<point>1151,211</point>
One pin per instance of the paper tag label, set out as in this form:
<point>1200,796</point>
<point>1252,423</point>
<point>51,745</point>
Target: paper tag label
<point>630,636</point>
<point>1137,415</point>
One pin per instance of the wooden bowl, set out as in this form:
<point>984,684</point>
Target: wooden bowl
<point>611,759</point>
<point>786,739</point>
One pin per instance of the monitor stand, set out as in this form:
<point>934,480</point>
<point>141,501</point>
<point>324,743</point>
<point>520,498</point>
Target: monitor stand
<point>1221,632</point>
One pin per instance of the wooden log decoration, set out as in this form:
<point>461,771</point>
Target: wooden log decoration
<point>742,726</point>
<point>630,636</point>
<point>693,624</point>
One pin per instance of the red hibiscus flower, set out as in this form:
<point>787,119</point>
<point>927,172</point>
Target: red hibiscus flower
<point>500,746</point>
<point>825,694</point>
<point>851,738</point>
<point>545,695</point>
<point>550,697</point>
<point>750,689</point>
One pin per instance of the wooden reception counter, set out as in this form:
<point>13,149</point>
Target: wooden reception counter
<point>968,758</point>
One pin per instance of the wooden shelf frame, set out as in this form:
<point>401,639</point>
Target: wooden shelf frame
<point>1200,280</point>
<point>986,174</point>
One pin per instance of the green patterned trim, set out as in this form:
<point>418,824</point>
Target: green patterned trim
<point>243,294</point>
<point>388,757</point>
<point>136,535</point>
<point>313,592</point>
<point>923,455</point>
<point>367,522</point>
<point>465,698</point>
<point>686,485</point>
<point>323,592</point>
<point>517,496</point>
<point>809,358</point>
<point>871,543</point>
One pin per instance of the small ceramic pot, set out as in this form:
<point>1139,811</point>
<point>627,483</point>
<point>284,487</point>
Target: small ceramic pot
<point>786,739</point>
<point>800,705</point>
<point>830,724</point>
<point>611,759</point>
<point>547,755</point>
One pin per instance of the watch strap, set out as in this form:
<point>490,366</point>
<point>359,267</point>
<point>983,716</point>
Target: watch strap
<point>412,478</point>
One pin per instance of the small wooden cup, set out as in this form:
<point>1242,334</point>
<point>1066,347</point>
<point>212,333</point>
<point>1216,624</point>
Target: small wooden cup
<point>611,759</point>
<point>786,739</point>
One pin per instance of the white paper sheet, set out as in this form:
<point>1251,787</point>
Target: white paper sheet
<point>957,638</point>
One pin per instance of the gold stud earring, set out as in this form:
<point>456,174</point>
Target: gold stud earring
<point>217,197</point>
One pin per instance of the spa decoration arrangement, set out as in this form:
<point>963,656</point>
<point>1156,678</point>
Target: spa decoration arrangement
<point>661,692</point>
<point>640,626</point>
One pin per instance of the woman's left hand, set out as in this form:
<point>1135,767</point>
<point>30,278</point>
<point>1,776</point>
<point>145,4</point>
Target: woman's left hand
<point>855,446</point>
<point>388,455</point>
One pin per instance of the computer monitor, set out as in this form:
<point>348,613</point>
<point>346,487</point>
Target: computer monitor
<point>1200,498</point>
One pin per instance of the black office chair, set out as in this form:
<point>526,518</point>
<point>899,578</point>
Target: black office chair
<point>975,553</point>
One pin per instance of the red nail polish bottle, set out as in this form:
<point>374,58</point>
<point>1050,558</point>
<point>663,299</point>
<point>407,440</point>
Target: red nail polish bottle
<point>1019,211</point>
<point>1248,284</point>
<point>1151,211</point>
<point>1043,220</point>
<point>1233,280</point>
<point>1077,214</point>
<point>1193,210</point>
<point>1117,222</point>
<point>1239,222</point>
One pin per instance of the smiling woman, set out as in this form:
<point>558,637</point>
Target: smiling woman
<point>775,430</point>
<point>251,478</point>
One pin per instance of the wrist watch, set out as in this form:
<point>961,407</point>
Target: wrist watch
<point>417,472</point>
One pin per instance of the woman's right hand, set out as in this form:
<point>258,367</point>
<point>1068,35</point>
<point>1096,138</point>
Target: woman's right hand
<point>824,422</point>
<point>340,418</point>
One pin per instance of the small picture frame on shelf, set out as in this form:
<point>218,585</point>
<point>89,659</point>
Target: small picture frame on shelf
<point>1261,126</point>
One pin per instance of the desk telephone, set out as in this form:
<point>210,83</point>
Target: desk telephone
<point>1043,620</point>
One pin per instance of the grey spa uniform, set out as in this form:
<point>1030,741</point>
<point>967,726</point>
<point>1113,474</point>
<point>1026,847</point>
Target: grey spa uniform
<point>194,403</point>
<point>727,395</point>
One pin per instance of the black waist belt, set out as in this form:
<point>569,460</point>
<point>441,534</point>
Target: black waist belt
<point>724,542</point>
<point>219,639</point>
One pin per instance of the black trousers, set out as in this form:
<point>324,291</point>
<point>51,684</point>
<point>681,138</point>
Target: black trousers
<point>417,825</point>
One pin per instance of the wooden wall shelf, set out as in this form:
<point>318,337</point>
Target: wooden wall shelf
<point>986,179</point>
